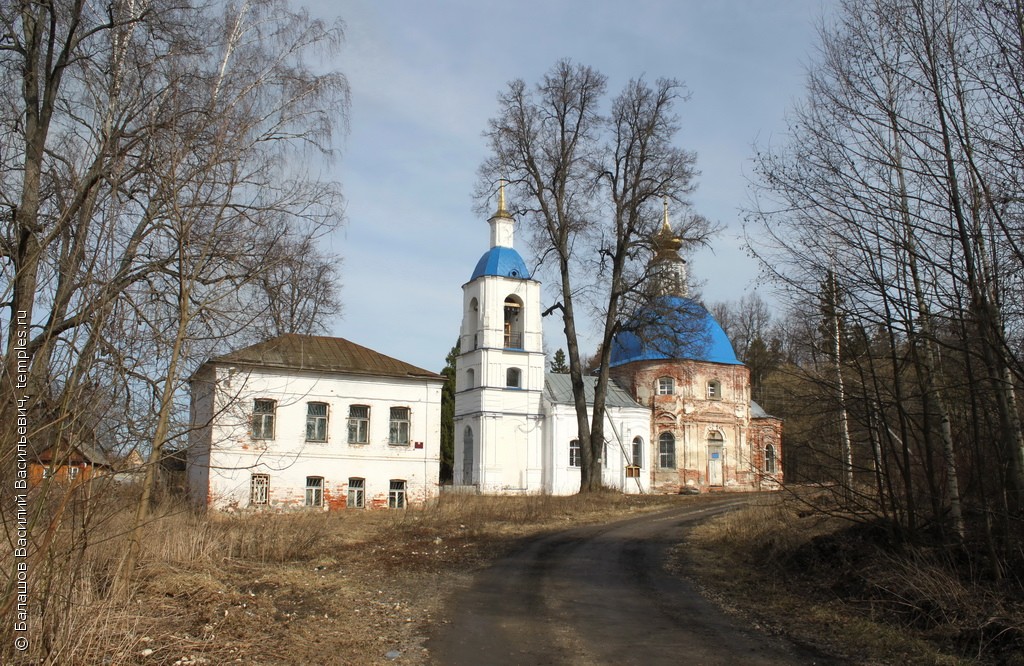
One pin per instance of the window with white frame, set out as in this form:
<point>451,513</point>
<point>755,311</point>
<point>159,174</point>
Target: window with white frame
<point>667,450</point>
<point>259,490</point>
<point>358,424</point>
<point>575,458</point>
<point>314,491</point>
<point>714,390</point>
<point>356,493</point>
<point>470,378</point>
<point>47,472</point>
<point>638,452</point>
<point>396,494</point>
<point>666,386</point>
<point>399,432</point>
<point>513,378</point>
<point>316,422</point>
<point>72,473</point>
<point>263,418</point>
<point>769,459</point>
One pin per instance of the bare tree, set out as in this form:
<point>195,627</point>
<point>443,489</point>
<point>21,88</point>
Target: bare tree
<point>899,175</point>
<point>591,185</point>
<point>155,211</point>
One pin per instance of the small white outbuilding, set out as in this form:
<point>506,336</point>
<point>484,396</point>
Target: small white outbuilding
<point>311,421</point>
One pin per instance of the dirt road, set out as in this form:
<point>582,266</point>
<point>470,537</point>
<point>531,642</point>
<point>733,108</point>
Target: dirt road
<point>601,595</point>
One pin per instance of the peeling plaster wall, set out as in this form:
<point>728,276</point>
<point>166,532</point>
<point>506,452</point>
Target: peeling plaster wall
<point>765,431</point>
<point>693,419</point>
<point>222,477</point>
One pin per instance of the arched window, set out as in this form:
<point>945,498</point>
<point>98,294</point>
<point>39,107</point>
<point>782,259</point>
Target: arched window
<point>667,450</point>
<point>512,378</point>
<point>769,459</point>
<point>714,390</point>
<point>574,453</point>
<point>473,321</point>
<point>638,452</point>
<point>467,456</point>
<point>470,378</point>
<point>666,386</point>
<point>513,323</point>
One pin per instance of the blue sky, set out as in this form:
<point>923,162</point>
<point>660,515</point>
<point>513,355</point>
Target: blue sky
<point>424,78</point>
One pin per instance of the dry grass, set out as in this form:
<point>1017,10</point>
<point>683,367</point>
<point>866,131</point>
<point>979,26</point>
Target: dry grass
<point>303,587</point>
<point>351,587</point>
<point>847,588</point>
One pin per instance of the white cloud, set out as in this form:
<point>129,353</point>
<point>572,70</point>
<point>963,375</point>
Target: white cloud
<point>424,80</point>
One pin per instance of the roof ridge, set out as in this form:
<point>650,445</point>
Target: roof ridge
<point>299,351</point>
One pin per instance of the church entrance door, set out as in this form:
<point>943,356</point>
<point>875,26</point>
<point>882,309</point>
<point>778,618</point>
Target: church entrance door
<point>715,465</point>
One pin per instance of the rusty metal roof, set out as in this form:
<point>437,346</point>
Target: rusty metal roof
<point>315,353</point>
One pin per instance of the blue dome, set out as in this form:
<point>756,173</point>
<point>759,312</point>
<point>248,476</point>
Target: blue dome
<point>502,262</point>
<point>673,327</point>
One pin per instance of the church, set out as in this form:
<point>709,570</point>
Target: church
<point>680,418</point>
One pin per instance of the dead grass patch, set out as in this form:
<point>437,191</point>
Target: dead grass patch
<point>851,589</point>
<point>344,587</point>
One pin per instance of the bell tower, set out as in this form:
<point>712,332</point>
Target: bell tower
<point>500,370</point>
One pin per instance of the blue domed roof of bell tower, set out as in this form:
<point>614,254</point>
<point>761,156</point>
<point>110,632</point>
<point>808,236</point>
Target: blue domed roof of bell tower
<point>673,327</point>
<point>502,262</point>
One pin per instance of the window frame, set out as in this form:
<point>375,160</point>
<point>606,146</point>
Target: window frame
<point>317,491</point>
<point>638,451</point>
<point>468,454</point>
<point>769,458</point>
<point>315,420</point>
<point>356,487</point>
<point>513,322</point>
<point>575,454</point>
<point>266,419</point>
<point>259,490</point>
<point>397,494</point>
<point>73,471</point>
<point>358,421</point>
<point>666,386</point>
<point>714,389</point>
<point>403,424</point>
<point>513,378</point>
<point>664,439</point>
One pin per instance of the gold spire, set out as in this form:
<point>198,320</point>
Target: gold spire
<point>665,241</point>
<point>501,212</point>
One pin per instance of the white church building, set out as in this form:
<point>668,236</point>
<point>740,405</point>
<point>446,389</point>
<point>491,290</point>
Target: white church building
<point>323,423</point>
<point>680,415</point>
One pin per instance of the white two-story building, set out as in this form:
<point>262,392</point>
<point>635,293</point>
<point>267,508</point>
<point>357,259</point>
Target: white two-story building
<point>310,421</point>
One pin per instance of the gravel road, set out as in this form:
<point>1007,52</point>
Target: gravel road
<point>600,595</point>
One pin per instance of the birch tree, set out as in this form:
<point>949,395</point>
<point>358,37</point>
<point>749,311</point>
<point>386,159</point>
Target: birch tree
<point>904,156</point>
<point>160,203</point>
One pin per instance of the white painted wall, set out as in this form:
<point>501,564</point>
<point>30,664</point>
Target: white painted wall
<point>562,479</point>
<point>224,456</point>
<point>507,422</point>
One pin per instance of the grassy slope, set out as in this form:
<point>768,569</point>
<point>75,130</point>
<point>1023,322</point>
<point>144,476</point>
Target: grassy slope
<point>846,587</point>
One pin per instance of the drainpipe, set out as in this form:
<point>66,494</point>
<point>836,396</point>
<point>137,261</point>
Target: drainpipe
<point>622,448</point>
